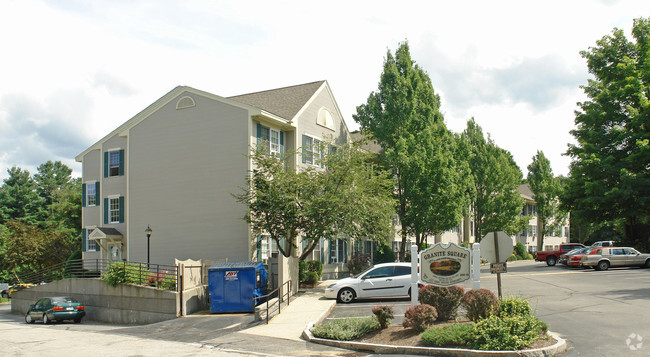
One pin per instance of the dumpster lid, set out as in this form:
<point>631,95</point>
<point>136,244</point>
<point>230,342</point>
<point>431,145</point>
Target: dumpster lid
<point>234,265</point>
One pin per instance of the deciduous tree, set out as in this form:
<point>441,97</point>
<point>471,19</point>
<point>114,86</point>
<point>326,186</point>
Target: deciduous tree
<point>545,188</point>
<point>610,171</point>
<point>345,199</point>
<point>497,203</point>
<point>403,117</point>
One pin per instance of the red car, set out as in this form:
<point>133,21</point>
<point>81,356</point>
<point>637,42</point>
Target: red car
<point>574,260</point>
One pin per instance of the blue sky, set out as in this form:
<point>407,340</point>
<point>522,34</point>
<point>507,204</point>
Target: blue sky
<point>75,70</point>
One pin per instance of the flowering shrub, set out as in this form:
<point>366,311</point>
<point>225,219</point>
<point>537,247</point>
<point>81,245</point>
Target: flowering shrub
<point>445,299</point>
<point>420,317</point>
<point>479,304</point>
<point>384,314</point>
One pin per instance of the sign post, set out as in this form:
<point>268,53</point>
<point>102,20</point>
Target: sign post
<point>494,247</point>
<point>414,275</point>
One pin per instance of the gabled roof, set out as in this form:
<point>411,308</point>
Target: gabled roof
<point>369,145</point>
<point>284,102</point>
<point>526,193</point>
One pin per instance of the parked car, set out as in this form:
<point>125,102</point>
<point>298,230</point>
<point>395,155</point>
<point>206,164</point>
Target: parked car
<point>575,260</point>
<point>603,243</point>
<point>12,289</point>
<point>601,258</point>
<point>551,256</point>
<point>564,258</point>
<point>382,280</point>
<point>57,308</point>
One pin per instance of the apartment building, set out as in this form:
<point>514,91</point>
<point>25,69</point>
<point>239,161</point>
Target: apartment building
<point>174,166</point>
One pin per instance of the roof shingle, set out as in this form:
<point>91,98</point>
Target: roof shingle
<point>285,102</point>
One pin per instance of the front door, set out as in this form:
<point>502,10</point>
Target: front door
<point>115,252</point>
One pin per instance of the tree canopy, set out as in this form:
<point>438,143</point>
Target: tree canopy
<point>546,190</point>
<point>609,182</point>
<point>40,218</point>
<point>496,203</point>
<point>345,199</point>
<point>403,117</point>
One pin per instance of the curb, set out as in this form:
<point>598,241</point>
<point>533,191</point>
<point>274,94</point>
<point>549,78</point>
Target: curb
<point>559,347</point>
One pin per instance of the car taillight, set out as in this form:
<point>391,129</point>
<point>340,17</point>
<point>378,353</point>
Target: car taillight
<point>58,308</point>
<point>80,307</point>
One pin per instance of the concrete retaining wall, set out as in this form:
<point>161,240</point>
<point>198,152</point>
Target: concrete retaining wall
<point>123,304</point>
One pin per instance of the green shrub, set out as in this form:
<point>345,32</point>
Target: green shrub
<point>168,282</point>
<point>445,299</point>
<point>312,278</point>
<point>315,266</point>
<point>302,270</point>
<point>479,304</point>
<point>126,273</point>
<point>383,254</point>
<point>514,306</point>
<point>520,251</point>
<point>512,257</point>
<point>465,245</point>
<point>420,317</point>
<point>456,335</point>
<point>358,263</point>
<point>530,257</point>
<point>498,333</point>
<point>384,314</point>
<point>346,329</point>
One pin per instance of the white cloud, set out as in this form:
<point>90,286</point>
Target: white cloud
<point>75,70</point>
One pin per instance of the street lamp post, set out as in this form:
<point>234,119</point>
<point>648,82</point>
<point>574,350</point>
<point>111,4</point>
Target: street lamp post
<point>148,233</point>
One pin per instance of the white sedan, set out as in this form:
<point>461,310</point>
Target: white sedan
<point>382,280</point>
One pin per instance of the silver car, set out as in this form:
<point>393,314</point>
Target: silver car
<point>382,280</point>
<point>605,257</point>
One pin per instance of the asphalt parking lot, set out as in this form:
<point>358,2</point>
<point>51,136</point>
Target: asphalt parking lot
<point>599,313</point>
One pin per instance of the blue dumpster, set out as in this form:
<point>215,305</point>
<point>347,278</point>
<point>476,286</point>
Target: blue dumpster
<point>233,286</point>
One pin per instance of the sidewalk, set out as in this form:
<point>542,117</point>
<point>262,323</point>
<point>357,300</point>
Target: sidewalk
<point>306,306</point>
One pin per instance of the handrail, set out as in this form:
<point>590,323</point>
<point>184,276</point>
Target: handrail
<point>280,297</point>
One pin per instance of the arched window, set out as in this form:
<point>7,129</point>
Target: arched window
<point>325,118</point>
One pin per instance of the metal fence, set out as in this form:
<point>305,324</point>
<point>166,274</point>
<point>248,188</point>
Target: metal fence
<point>156,275</point>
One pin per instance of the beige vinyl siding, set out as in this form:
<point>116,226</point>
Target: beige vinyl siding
<point>183,166</point>
<point>91,169</point>
<point>307,121</point>
<point>114,186</point>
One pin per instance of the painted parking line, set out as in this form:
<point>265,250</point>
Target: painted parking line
<point>358,305</point>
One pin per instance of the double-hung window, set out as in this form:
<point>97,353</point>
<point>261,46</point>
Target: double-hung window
<point>90,194</point>
<point>114,210</point>
<point>270,139</point>
<point>338,252</point>
<point>311,151</point>
<point>114,163</point>
<point>91,245</point>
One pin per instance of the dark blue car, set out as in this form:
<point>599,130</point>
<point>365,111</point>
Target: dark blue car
<point>58,308</point>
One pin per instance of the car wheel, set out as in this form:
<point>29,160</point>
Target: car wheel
<point>76,321</point>
<point>346,295</point>
<point>550,261</point>
<point>28,318</point>
<point>603,265</point>
<point>46,320</point>
<point>5,296</point>
<point>647,264</point>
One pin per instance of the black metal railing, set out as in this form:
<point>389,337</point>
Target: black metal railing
<point>275,293</point>
<point>156,275</point>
